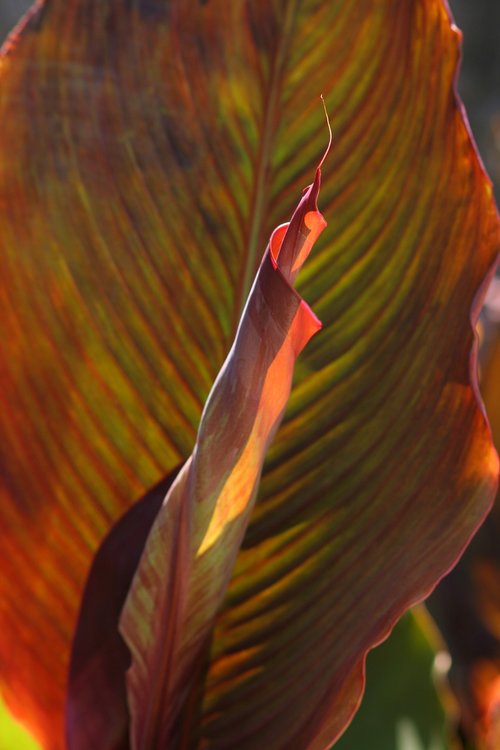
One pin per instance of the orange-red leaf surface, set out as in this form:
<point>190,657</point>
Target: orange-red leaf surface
<point>148,148</point>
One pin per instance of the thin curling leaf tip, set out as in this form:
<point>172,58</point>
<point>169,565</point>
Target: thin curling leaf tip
<point>330,139</point>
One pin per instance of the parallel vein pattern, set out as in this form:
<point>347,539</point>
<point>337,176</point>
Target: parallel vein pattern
<point>148,149</point>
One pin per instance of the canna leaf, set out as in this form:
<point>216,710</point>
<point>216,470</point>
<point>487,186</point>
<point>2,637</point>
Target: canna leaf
<point>191,547</point>
<point>190,553</point>
<point>148,149</point>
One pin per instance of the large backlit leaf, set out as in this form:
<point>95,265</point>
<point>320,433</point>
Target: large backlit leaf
<point>148,149</point>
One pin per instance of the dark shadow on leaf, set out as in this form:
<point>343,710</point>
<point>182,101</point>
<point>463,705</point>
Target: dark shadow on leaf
<point>96,704</point>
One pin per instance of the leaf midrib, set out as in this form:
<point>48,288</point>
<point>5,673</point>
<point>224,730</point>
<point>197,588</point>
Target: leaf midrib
<point>260,193</point>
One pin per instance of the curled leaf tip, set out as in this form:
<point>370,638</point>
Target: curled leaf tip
<point>291,244</point>
<point>330,134</point>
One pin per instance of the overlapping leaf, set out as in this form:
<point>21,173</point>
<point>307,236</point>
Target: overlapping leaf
<point>148,149</point>
<point>467,603</point>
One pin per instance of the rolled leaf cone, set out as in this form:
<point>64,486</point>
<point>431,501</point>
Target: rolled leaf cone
<point>148,149</point>
<point>192,545</point>
<point>190,553</point>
